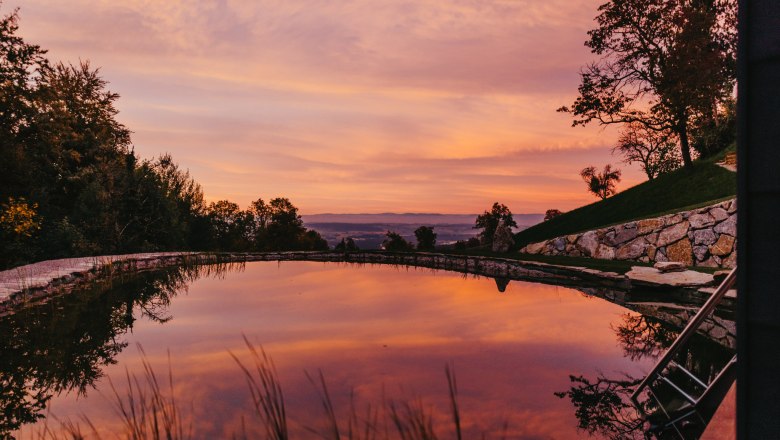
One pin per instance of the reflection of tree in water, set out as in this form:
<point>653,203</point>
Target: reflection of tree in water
<point>642,336</point>
<point>603,406</point>
<point>63,344</point>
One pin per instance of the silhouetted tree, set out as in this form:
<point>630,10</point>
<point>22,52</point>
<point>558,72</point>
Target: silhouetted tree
<point>426,238</point>
<point>665,64</point>
<point>601,184</point>
<point>655,151</point>
<point>488,221</point>
<point>347,245</point>
<point>394,242</point>
<point>551,214</point>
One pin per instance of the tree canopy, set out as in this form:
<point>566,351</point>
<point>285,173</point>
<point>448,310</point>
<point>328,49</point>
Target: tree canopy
<point>71,183</point>
<point>489,220</point>
<point>665,64</point>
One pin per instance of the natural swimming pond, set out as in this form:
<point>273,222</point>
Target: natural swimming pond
<point>381,337</point>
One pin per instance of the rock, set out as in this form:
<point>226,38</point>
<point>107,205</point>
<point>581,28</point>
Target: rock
<point>651,238</point>
<point>624,234</point>
<point>503,240</point>
<point>680,251</point>
<point>651,252</point>
<point>733,208</point>
<point>534,248</point>
<point>729,226</point>
<point>723,246</point>
<point>673,219</point>
<point>649,225</point>
<point>671,266</point>
<point>559,244</point>
<point>632,250</point>
<point>700,252</point>
<point>699,221</point>
<point>673,233</point>
<point>605,252</point>
<point>572,238</point>
<point>710,262</point>
<point>588,243</point>
<point>660,255</point>
<point>704,236</point>
<point>719,214</point>
<point>730,261</point>
<point>652,276</point>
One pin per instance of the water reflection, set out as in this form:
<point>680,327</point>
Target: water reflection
<point>63,345</point>
<point>377,333</point>
<point>602,404</point>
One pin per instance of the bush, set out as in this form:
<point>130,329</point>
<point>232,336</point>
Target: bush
<point>394,242</point>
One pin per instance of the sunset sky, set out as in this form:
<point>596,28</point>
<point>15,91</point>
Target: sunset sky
<point>347,106</point>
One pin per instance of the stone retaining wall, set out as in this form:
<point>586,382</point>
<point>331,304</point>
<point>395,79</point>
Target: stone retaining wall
<point>701,237</point>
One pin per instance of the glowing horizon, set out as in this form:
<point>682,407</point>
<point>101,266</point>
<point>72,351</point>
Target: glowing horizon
<point>354,107</point>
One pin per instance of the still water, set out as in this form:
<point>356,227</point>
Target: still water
<point>381,336</point>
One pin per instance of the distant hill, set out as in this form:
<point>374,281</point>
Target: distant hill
<point>368,230</point>
<point>412,218</point>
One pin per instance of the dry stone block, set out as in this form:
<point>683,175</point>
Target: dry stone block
<point>588,243</point>
<point>729,261</point>
<point>733,208</point>
<point>572,238</point>
<point>700,252</point>
<point>699,221</point>
<point>651,250</point>
<point>673,233</point>
<point>632,250</point>
<point>559,244</point>
<point>624,234</point>
<point>719,214</point>
<point>704,236</point>
<point>605,252</point>
<point>681,251</point>
<point>649,225</point>
<point>723,246</point>
<point>534,248</point>
<point>729,226</point>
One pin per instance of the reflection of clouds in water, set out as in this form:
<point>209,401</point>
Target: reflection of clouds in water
<point>375,330</point>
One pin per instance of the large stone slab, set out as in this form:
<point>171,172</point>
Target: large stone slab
<point>652,276</point>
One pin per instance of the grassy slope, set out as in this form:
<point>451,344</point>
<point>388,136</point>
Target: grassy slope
<point>683,189</point>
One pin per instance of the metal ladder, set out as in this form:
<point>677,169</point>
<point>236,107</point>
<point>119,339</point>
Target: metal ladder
<point>712,393</point>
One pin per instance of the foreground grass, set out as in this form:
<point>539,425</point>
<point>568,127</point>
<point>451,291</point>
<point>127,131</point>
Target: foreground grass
<point>149,410</point>
<point>683,189</point>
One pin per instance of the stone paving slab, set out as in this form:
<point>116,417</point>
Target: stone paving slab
<point>41,274</point>
<point>652,276</point>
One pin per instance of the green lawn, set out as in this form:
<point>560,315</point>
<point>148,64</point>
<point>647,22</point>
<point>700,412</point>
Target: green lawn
<point>683,189</point>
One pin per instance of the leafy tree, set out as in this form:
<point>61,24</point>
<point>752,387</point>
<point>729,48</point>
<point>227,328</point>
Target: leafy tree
<point>488,221</point>
<point>551,214</point>
<point>601,184</point>
<point>655,151</point>
<point>426,238</point>
<point>284,226</point>
<point>230,225</point>
<point>21,65</point>
<point>394,242</point>
<point>664,64</point>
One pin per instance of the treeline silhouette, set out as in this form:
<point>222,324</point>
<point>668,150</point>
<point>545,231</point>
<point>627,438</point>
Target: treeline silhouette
<point>72,185</point>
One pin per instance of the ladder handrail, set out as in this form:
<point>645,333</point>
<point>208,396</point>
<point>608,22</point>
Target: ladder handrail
<point>689,330</point>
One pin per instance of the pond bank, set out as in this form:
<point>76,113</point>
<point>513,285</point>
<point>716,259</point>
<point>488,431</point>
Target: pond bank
<point>32,282</point>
